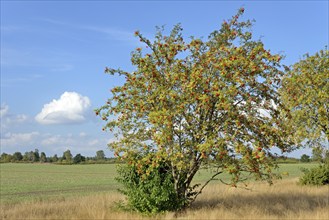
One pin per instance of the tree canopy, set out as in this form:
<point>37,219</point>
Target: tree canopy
<point>305,90</point>
<point>199,102</point>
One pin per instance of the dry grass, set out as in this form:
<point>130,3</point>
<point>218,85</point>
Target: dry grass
<point>284,200</point>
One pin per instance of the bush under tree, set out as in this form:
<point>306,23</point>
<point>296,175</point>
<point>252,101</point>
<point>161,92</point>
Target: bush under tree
<point>316,176</point>
<point>150,193</point>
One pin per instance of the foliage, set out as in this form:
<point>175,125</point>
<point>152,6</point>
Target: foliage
<point>17,156</point>
<point>284,159</point>
<point>67,156</point>
<point>316,176</point>
<point>43,157</point>
<point>305,158</point>
<point>200,102</point>
<point>326,156</point>
<point>6,158</point>
<point>151,193</point>
<point>36,156</point>
<point>78,159</point>
<point>100,155</point>
<point>33,156</point>
<point>53,159</point>
<point>317,153</point>
<point>305,90</point>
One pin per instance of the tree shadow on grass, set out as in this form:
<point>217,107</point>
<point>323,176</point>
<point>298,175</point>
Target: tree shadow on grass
<point>276,205</point>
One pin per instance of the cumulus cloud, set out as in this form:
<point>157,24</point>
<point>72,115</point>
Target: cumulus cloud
<point>70,108</point>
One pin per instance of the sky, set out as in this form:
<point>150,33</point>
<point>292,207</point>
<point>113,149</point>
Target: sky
<point>53,56</point>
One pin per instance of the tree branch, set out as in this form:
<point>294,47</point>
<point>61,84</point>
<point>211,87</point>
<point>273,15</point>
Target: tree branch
<point>200,191</point>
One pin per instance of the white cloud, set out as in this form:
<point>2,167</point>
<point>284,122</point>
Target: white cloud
<point>266,113</point>
<point>8,119</point>
<point>82,134</point>
<point>85,144</point>
<point>50,140</point>
<point>52,144</point>
<point>4,110</point>
<point>12,139</point>
<point>117,34</point>
<point>21,118</point>
<point>71,107</point>
<point>122,35</point>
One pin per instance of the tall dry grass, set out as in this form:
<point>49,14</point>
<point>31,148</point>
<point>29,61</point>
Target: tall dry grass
<point>284,200</point>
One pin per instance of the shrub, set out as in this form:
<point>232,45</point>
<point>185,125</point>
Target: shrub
<point>316,176</point>
<point>151,192</point>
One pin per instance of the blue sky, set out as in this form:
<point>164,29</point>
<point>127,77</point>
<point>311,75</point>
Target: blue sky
<point>53,54</point>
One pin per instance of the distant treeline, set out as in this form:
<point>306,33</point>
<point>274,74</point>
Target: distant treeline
<point>99,158</point>
<point>66,158</point>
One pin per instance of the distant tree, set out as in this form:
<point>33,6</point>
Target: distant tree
<point>67,156</point>
<point>36,155</point>
<point>78,159</point>
<point>17,156</point>
<point>305,158</point>
<point>55,158</point>
<point>3,156</point>
<point>30,156</point>
<point>100,155</point>
<point>43,157</point>
<point>26,157</point>
<point>317,153</point>
<point>6,158</point>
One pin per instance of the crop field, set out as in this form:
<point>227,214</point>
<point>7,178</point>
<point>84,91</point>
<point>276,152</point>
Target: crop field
<point>21,182</point>
<point>43,191</point>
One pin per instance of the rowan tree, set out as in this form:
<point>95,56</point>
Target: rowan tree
<point>199,102</point>
<point>305,91</point>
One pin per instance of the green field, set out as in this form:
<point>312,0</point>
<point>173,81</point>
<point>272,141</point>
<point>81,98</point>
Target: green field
<point>22,182</point>
<point>39,181</point>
